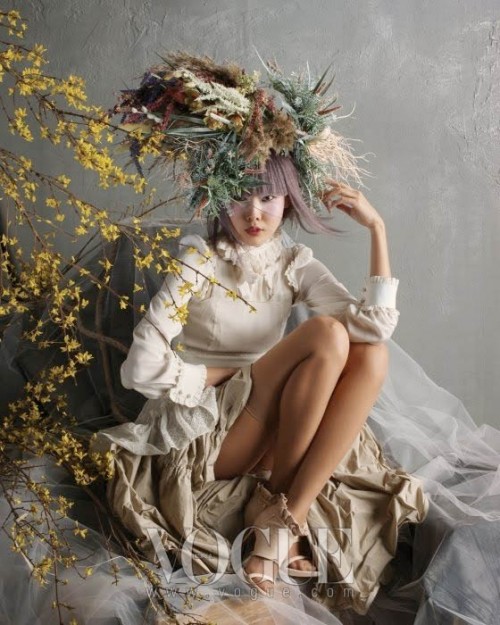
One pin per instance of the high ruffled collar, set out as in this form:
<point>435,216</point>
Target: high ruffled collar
<point>255,257</point>
<point>252,261</point>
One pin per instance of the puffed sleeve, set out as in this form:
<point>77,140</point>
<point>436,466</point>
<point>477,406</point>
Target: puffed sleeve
<point>370,319</point>
<point>152,367</point>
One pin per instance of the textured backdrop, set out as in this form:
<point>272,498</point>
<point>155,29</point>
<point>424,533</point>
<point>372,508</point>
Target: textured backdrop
<point>424,80</point>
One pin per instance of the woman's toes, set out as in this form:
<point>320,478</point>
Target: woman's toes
<point>303,564</point>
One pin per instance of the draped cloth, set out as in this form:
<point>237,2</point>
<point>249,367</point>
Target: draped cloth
<point>361,507</point>
<point>446,569</point>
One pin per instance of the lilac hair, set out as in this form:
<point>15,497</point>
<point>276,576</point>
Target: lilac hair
<point>279,177</point>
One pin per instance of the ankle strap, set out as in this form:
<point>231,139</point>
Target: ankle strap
<point>289,519</point>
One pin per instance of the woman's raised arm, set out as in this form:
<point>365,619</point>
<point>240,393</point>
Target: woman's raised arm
<point>354,203</point>
<point>373,317</point>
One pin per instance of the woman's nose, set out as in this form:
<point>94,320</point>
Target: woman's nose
<point>253,207</point>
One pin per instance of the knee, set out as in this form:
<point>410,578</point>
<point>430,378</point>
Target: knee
<point>328,337</point>
<point>372,358</point>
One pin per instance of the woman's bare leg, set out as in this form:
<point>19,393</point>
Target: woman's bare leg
<point>361,356</point>
<point>345,414</point>
<point>310,359</point>
<point>319,349</point>
<point>296,381</point>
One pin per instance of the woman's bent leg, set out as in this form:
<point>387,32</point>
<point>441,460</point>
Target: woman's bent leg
<point>244,445</point>
<point>345,414</point>
<point>291,387</point>
<point>307,362</point>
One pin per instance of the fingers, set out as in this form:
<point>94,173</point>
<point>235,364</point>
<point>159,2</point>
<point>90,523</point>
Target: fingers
<point>344,189</point>
<point>339,196</point>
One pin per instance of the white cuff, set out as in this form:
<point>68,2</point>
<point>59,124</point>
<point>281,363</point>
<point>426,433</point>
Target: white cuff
<point>380,291</point>
<point>189,385</point>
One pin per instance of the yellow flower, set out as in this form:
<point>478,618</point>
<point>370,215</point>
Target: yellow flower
<point>110,232</point>
<point>52,202</point>
<point>170,233</point>
<point>124,302</point>
<point>232,294</point>
<point>139,185</point>
<point>83,357</point>
<point>80,531</point>
<point>185,288</point>
<point>36,55</point>
<point>70,344</point>
<point>181,314</point>
<point>64,180</point>
<point>13,16</point>
<point>19,125</point>
<point>26,162</point>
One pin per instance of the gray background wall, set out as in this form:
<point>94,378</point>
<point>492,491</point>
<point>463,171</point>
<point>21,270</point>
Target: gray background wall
<point>424,78</point>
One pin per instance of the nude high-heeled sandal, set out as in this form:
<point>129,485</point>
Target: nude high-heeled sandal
<point>259,500</point>
<point>283,532</point>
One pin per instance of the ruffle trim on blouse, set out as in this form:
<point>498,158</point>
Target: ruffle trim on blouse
<point>256,265</point>
<point>189,384</point>
<point>162,425</point>
<point>257,256</point>
<point>301,256</point>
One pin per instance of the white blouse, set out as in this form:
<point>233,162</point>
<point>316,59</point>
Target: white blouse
<point>226,332</point>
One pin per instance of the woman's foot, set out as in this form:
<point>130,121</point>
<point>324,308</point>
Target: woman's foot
<point>261,566</point>
<point>282,544</point>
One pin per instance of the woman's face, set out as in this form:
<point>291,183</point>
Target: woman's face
<point>256,217</point>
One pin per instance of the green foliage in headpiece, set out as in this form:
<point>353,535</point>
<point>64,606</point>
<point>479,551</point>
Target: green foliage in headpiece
<point>223,126</point>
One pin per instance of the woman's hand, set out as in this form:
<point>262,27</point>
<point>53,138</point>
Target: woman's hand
<point>352,202</point>
<point>217,375</point>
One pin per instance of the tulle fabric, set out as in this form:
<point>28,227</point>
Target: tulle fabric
<point>446,570</point>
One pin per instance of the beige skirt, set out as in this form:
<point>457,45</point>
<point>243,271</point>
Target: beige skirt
<point>175,496</point>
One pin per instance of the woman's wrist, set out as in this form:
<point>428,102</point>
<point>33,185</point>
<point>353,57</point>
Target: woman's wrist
<point>379,254</point>
<point>377,225</point>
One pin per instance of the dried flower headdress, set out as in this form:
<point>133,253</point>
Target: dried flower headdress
<point>221,125</point>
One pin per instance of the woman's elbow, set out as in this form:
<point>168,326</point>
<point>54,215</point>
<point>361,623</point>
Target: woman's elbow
<point>133,375</point>
<point>127,375</point>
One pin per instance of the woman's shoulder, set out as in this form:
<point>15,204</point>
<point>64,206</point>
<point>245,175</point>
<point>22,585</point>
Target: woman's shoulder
<point>192,240</point>
<point>299,256</point>
<point>197,252</point>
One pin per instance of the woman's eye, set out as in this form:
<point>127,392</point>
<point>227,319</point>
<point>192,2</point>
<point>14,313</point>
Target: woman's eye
<point>268,198</point>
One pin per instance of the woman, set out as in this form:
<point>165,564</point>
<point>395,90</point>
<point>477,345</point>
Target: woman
<point>315,371</point>
<point>244,399</point>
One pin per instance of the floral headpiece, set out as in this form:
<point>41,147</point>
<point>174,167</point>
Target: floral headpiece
<point>222,125</point>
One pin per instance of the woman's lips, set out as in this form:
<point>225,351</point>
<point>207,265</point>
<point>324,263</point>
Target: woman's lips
<point>253,230</point>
